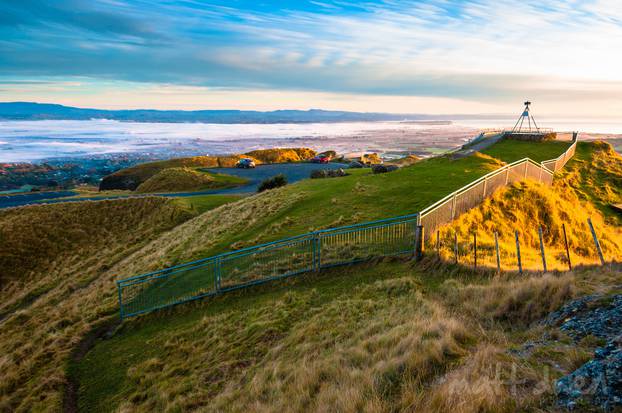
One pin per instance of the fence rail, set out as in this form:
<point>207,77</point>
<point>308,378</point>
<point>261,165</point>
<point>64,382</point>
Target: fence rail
<point>317,250</point>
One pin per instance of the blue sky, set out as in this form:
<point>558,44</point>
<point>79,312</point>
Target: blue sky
<point>400,56</point>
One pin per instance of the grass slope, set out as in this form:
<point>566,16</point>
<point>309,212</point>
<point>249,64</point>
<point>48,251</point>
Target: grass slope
<point>383,338</point>
<point>187,180</point>
<point>58,264</point>
<point>595,174</point>
<point>510,150</point>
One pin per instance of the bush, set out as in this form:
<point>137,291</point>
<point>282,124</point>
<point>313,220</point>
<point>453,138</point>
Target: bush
<point>271,183</point>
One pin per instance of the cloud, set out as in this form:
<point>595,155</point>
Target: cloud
<point>486,50</point>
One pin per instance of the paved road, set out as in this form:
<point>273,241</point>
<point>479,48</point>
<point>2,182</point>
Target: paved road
<point>293,171</point>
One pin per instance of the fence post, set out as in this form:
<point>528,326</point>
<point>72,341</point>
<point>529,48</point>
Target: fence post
<point>600,252</point>
<point>526,166</point>
<point>456,247</point>
<point>542,249</point>
<point>438,242</point>
<point>419,243</point>
<point>507,175</point>
<point>540,176</point>
<point>498,255</point>
<point>475,250</point>
<point>119,288</point>
<point>567,249</point>
<point>453,208</point>
<point>485,187</point>
<point>218,270</point>
<point>520,265</point>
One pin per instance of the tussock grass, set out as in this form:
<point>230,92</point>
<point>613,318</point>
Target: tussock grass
<point>524,207</point>
<point>515,301</point>
<point>63,259</point>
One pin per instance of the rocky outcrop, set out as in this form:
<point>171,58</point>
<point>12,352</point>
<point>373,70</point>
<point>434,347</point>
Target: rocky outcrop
<point>327,173</point>
<point>599,381</point>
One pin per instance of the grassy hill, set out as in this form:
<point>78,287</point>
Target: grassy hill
<point>387,337</point>
<point>374,337</point>
<point>131,178</point>
<point>186,180</point>
<point>596,176</point>
<point>57,261</point>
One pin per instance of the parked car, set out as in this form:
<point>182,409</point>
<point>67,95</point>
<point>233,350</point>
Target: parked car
<point>245,163</point>
<point>321,158</point>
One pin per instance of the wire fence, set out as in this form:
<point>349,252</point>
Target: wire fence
<point>530,249</point>
<point>317,250</point>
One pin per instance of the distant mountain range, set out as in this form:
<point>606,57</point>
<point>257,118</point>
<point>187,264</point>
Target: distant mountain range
<point>47,111</point>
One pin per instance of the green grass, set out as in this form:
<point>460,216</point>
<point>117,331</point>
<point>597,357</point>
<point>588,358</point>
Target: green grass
<point>595,173</point>
<point>323,203</point>
<point>510,150</point>
<point>203,203</point>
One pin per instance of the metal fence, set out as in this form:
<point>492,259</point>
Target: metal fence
<point>316,250</point>
<point>279,259</point>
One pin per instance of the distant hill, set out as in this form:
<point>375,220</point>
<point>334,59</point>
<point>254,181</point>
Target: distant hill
<point>48,111</point>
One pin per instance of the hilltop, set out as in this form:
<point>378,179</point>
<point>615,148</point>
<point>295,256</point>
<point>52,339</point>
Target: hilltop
<point>378,337</point>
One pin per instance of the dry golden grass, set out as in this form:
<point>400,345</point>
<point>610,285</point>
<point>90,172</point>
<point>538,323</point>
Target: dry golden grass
<point>280,155</point>
<point>405,161</point>
<point>516,300</point>
<point>350,354</point>
<point>524,207</point>
<point>37,239</point>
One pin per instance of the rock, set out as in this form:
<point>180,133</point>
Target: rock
<point>327,173</point>
<point>355,164</point>
<point>336,173</point>
<point>578,320</point>
<point>379,169</point>
<point>598,381</point>
<point>318,174</point>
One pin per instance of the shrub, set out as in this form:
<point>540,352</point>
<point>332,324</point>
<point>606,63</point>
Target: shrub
<point>271,183</point>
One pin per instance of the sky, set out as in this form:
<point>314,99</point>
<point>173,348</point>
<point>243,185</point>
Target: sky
<point>484,56</point>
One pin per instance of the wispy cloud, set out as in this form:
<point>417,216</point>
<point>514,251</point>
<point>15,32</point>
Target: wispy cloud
<point>483,50</point>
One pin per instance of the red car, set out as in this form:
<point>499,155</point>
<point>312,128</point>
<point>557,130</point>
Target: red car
<point>321,158</point>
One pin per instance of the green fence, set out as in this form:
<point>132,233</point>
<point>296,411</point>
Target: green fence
<point>284,258</point>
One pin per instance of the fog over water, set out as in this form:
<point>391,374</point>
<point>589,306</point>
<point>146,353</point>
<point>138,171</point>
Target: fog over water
<point>22,141</point>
